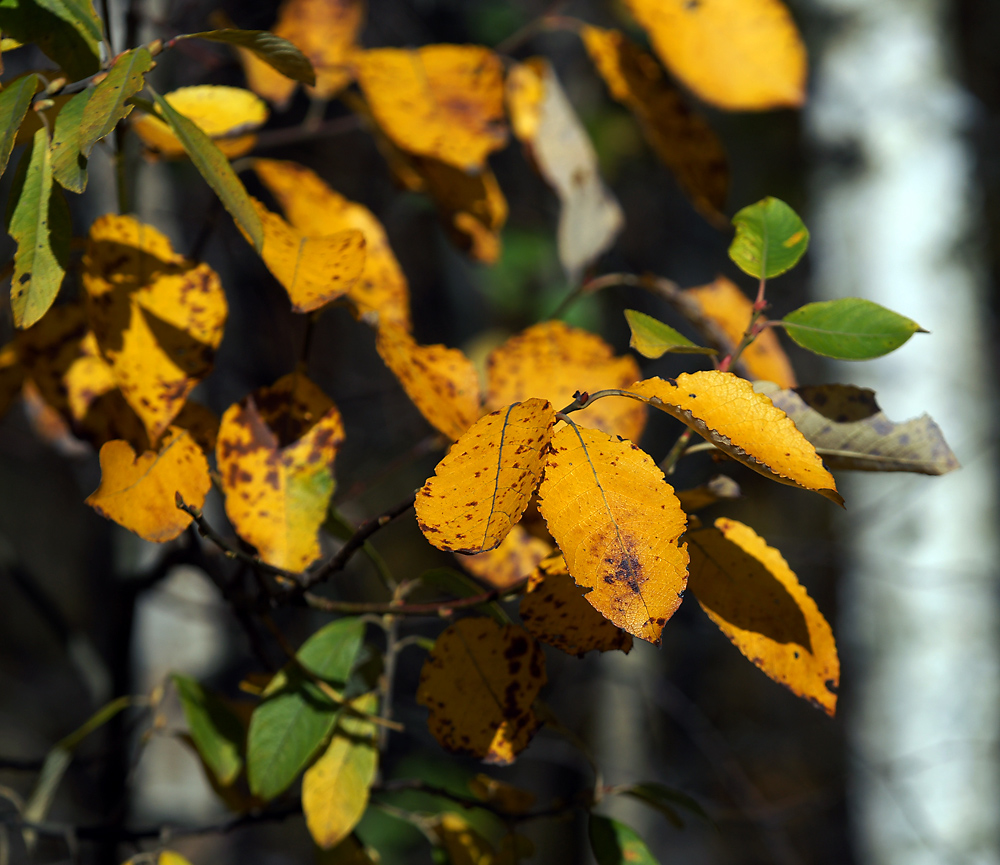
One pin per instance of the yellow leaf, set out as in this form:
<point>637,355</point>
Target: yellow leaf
<point>157,318</point>
<point>335,788</point>
<point>725,410</point>
<point>748,590</point>
<point>313,270</point>
<point>139,492</point>
<point>680,136</point>
<point>441,381</point>
<point>441,101</point>
<point>479,682</point>
<point>555,611</point>
<point>617,522</point>
<point>49,348</point>
<point>740,55</point>
<point>552,361</point>
<point>316,210</point>
<point>517,556</point>
<point>729,309</point>
<point>275,455</point>
<point>484,483</point>
<point>169,857</point>
<point>500,795</point>
<point>463,844</point>
<point>224,114</point>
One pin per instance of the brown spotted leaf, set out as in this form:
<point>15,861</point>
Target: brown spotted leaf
<point>275,454</point>
<point>617,521</point>
<point>484,483</point>
<point>517,556</point>
<point>748,590</point>
<point>479,682</point>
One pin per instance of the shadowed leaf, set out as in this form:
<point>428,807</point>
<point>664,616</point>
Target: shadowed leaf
<point>67,31</point>
<point>14,101</point>
<point>278,53</point>
<point>614,843</point>
<point>215,729</point>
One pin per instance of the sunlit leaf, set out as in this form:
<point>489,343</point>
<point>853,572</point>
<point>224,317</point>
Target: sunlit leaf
<point>473,663</point>
<point>617,522</point>
<point>215,729</point>
<point>482,486</point>
<point>277,52</point>
<point>748,590</point>
<point>614,843</point>
<point>69,165</point>
<point>652,338</point>
<point>108,104</point>
<point>15,98</point>
<point>851,328</point>
<point>740,55</point>
<point>67,31</point>
<point>770,238</point>
<point>517,556</point>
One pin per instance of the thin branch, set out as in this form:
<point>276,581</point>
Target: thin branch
<point>296,134</point>
<point>444,609</point>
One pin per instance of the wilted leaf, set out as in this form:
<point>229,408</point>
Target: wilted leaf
<point>729,309</point>
<point>108,104</point>
<point>69,165</point>
<point>67,31</point>
<point>719,488</point>
<point>652,338</point>
<point>484,483</point>
<point>215,729</point>
<point>555,611</point>
<point>502,796</point>
<point>615,843</point>
<point>725,410</point>
<point>552,361</point>
<point>850,431</point>
<point>617,521</point>
<point>517,556</point>
<point>589,215</point>
<point>461,842</point>
<point>849,329</point>
<point>740,55</point>
<point>139,492</point>
<point>748,590</point>
<point>441,381</point>
<point>480,682</point>
<point>15,98</point>
<point>770,238</point>
<point>441,101</point>
<point>680,136</point>
<point>277,52</point>
<point>275,453</point>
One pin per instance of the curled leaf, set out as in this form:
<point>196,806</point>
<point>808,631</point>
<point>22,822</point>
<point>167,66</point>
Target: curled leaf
<point>277,52</point>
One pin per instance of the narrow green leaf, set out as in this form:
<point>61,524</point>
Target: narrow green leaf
<point>14,101</point>
<point>69,165</point>
<point>653,338</point>
<point>108,104</point>
<point>615,843</point>
<point>849,329</point>
<point>272,49</point>
<point>67,31</point>
<point>216,170</point>
<point>666,800</point>
<point>770,238</point>
<point>215,729</point>
<point>38,224</point>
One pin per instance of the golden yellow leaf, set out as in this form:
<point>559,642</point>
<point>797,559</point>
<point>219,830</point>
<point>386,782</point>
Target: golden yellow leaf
<point>463,844</point>
<point>502,796</point>
<point>725,410</point>
<point>157,318</point>
<point>224,114</point>
<point>441,101</point>
<point>555,611</point>
<point>441,381</point>
<point>169,857</point>
<point>680,136</point>
<point>479,682</point>
<point>723,304</point>
<point>313,270</point>
<point>484,483</point>
<point>748,590</point>
<point>316,210</point>
<point>517,556</point>
<point>617,522</point>
<point>740,55</point>
<point>552,361</point>
<point>275,455</point>
<point>139,492</point>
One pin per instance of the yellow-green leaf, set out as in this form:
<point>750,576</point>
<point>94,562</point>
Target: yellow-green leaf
<point>109,102</point>
<point>652,338</point>
<point>15,98</point>
<point>69,165</point>
<point>67,31</point>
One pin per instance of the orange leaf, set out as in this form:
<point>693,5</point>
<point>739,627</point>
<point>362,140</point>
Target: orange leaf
<point>275,454</point>
<point>740,55</point>
<point>552,361</point>
<point>555,611</point>
<point>441,101</point>
<point>441,381</point>
<point>484,483</point>
<point>617,521</point>
<point>517,556</point>
<point>748,590</point>
<point>479,682</point>
<point>725,410</point>
<point>139,492</point>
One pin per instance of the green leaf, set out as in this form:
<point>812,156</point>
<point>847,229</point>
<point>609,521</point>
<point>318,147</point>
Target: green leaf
<point>295,719</point>
<point>14,101</point>
<point>770,238</point>
<point>108,104</point>
<point>39,222</point>
<point>666,800</point>
<point>215,729</point>
<point>849,329</point>
<point>216,170</point>
<point>653,338</point>
<point>272,49</point>
<point>69,165</point>
<point>615,843</point>
<point>67,31</point>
